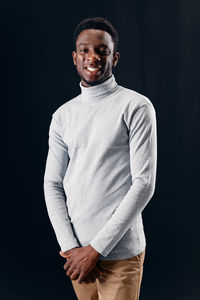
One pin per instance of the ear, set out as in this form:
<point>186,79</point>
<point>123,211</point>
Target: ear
<point>116,57</point>
<point>74,57</point>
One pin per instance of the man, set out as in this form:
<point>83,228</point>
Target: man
<point>101,172</point>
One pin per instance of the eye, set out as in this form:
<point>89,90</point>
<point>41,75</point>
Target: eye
<point>104,51</point>
<point>83,50</point>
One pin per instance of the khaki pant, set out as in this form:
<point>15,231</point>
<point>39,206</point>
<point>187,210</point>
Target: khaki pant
<point>121,280</point>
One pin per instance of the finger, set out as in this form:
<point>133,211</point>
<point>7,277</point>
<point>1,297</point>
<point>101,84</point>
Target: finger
<point>65,255</point>
<point>81,277</point>
<point>61,254</point>
<point>66,265</point>
<point>70,271</point>
<point>74,275</point>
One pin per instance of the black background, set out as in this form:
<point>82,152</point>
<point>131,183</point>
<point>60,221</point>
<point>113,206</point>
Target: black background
<point>159,46</point>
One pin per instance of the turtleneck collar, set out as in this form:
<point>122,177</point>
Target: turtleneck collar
<point>99,91</point>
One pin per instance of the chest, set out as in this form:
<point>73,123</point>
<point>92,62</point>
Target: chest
<point>99,126</point>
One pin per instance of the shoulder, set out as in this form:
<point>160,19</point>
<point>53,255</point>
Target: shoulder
<point>133,98</point>
<point>134,101</point>
<point>63,110</point>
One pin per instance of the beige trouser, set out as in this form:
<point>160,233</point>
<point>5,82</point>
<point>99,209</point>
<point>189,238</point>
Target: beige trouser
<point>121,280</point>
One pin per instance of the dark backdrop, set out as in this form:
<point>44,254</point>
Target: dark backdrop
<point>159,46</point>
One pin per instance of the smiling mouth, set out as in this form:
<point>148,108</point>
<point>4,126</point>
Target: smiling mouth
<point>93,70</point>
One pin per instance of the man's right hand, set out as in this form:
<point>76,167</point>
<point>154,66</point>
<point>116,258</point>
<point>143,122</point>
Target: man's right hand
<point>93,275</point>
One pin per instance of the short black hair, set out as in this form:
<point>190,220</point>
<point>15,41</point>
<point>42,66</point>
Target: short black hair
<point>96,23</point>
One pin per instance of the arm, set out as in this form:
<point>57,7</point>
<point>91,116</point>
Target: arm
<point>143,161</point>
<point>56,166</point>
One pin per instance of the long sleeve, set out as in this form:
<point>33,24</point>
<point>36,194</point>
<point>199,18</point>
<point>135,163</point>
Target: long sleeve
<point>143,164</point>
<point>55,198</point>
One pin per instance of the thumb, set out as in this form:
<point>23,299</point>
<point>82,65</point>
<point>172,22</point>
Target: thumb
<point>64,254</point>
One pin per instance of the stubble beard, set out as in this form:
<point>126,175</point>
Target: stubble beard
<point>94,82</point>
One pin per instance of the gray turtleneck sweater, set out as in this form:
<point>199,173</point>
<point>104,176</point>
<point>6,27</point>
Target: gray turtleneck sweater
<point>101,169</point>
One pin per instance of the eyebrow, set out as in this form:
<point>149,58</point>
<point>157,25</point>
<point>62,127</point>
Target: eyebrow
<point>83,44</point>
<point>88,44</point>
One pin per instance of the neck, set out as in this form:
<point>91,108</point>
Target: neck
<point>98,92</point>
<point>93,83</point>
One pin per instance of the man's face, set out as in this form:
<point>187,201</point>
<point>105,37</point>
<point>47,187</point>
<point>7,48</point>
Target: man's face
<point>94,57</point>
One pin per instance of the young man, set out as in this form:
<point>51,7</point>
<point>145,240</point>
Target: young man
<point>101,172</point>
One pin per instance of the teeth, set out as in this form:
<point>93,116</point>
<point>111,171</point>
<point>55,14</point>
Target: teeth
<point>92,69</point>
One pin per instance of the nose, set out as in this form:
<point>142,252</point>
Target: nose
<point>93,56</point>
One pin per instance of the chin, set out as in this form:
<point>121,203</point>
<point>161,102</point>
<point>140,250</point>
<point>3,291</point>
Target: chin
<point>94,82</point>
<point>91,82</point>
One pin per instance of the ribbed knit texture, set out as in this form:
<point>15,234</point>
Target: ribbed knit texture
<point>101,169</point>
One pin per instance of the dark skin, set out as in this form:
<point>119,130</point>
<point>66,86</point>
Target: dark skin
<point>81,264</point>
<point>94,48</point>
<point>94,59</point>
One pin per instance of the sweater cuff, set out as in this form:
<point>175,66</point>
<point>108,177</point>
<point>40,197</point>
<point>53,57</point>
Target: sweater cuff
<point>100,246</point>
<point>69,246</point>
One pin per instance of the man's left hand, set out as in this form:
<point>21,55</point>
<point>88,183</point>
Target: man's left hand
<point>80,261</point>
